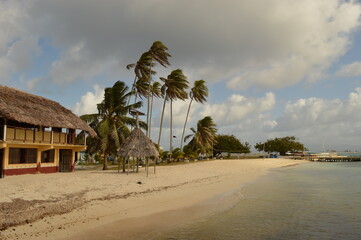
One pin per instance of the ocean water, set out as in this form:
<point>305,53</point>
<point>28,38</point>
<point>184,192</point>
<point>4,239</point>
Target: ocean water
<point>308,201</point>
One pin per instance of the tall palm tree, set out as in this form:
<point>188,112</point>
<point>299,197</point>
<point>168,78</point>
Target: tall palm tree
<point>158,53</point>
<point>111,122</point>
<point>155,90</point>
<point>198,93</point>
<point>143,71</point>
<point>205,135</point>
<point>173,88</point>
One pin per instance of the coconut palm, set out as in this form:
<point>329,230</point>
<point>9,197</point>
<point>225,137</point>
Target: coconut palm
<point>111,122</point>
<point>198,93</point>
<point>173,88</point>
<point>143,71</point>
<point>205,135</point>
<point>155,91</point>
<point>158,53</point>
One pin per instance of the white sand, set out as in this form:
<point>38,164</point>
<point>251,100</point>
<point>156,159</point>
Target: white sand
<point>103,198</point>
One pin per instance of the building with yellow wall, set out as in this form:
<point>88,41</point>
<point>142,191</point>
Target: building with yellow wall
<point>38,135</point>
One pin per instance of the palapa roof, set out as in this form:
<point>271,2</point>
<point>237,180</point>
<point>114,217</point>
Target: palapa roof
<point>138,145</point>
<point>31,109</point>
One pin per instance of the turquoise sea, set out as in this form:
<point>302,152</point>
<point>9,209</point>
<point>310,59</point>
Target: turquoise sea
<point>308,201</point>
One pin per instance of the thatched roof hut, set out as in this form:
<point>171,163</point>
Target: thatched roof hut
<point>31,109</point>
<point>138,145</point>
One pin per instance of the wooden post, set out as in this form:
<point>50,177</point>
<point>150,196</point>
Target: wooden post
<point>4,133</point>
<point>147,164</point>
<point>128,164</point>
<point>155,164</point>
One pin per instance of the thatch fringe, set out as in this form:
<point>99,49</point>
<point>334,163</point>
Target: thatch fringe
<point>138,145</point>
<point>31,109</point>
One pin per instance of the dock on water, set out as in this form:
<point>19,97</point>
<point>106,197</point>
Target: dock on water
<point>334,159</point>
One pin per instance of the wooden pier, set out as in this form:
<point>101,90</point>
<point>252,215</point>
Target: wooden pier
<point>334,159</point>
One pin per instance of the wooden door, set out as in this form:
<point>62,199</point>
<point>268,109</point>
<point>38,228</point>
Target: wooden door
<point>65,160</point>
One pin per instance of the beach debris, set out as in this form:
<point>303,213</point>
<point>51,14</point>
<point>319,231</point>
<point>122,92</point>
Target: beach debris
<point>139,182</point>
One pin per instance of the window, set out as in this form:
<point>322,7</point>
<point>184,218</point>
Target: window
<point>22,155</point>
<point>47,156</point>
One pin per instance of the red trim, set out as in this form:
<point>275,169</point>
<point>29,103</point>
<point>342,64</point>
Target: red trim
<point>48,169</point>
<point>19,171</point>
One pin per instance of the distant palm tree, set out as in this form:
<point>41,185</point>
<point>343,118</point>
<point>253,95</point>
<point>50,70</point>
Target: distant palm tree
<point>158,53</point>
<point>198,93</point>
<point>173,88</point>
<point>155,92</point>
<point>205,135</point>
<point>111,122</point>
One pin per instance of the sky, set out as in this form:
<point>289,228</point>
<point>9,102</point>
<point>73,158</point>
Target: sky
<point>274,68</point>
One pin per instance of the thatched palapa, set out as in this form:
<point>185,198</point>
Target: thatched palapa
<point>138,145</point>
<point>31,109</point>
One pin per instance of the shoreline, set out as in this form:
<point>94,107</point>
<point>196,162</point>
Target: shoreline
<point>116,201</point>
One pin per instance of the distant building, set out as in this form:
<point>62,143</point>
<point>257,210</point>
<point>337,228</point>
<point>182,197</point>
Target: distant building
<point>38,135</point>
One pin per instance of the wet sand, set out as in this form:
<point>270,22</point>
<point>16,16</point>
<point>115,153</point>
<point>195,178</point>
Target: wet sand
<point>110,205</point>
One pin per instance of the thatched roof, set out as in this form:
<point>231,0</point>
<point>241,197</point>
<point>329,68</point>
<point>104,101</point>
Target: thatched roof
<point>31,109</point>
<point>138,145</point>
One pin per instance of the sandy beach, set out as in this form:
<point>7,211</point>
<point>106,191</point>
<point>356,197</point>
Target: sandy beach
<point>95,204</point>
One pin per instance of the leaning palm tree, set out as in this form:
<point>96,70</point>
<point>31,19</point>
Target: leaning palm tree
<point>205,135</point>
<point>198,93</point>
<point>155,91</point>
<point>173,88</point>
<point>159,53</point>
<point>111,122</point>
<point>142,70</point>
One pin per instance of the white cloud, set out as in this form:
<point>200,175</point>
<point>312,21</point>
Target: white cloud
<point>32,83</point>
<point>18,44</point>
<point>235,41</point>
<point>237,108</point>
<point>88,102</point>
<point>314,120</point>
<point>239,115</point>
<point>76,63</point>
<point>350,70</point>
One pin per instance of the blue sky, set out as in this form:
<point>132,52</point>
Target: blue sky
<point>273,68</point>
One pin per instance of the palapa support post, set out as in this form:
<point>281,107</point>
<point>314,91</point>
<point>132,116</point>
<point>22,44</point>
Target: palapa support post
<point>155,164</point>
<point>128,165</point>
<point>147,164</point>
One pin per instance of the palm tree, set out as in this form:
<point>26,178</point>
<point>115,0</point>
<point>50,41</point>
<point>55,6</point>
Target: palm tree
<point>155,91</point>
<point>158,53</point>
<point>198,93</point>
<point>111,122</point>
<point>143,71</point>
<point>204,137</point>
<point>173,88</point>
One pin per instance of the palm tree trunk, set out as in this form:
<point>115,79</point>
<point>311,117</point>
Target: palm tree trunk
<point>161,121</point>
<point>185,124</point>
<point>150,117</point>
<point>105,164</point>
<point>148,98</point>
<point>135,79</point>
<point>171,130</point>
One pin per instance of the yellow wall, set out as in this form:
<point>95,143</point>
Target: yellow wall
<point>39,148</point>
